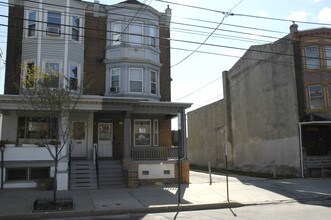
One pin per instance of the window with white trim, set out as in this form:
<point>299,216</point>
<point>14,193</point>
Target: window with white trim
<point>75,25</point>
<point>153,82</point>
<point>53,23</point>
<point>152,34</point>
<point>74,77</point>
<point>115,77</point>
<point>52,73</point>
<point>136,80</point>
<point>116,31</point>
<point>32,17</point>
<point>328,56</point>
<point>312,57</point>
<point>142,132</point>
<point>136,32</point>
<point>315,96</point>
<point>155,132</point>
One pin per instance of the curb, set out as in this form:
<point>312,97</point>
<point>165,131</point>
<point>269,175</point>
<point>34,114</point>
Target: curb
<point>82,213</point>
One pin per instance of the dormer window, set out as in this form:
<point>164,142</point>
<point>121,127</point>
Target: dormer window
<point>53,23</point>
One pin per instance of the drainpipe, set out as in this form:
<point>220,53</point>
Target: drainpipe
<point>300,150</point>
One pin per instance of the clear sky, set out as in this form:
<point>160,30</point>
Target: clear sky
<point>197,79</point>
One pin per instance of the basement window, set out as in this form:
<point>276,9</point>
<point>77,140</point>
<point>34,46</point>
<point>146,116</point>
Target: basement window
<point>145,172</point>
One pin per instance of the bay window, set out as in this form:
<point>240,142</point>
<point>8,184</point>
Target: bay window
<point>74,76</point>
<point>153,82</point>
<point>116,28</point>
<point>53,23</point>
<point>136,80</point>
<point>51,74</point>
<point>136,32</point>
<point>114,79</point>
<point>152,34</point>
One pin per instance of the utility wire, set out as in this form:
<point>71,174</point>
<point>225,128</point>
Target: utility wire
<point>225,15</point>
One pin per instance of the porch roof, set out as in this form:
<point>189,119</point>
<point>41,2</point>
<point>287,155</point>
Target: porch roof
<point>104,103</point>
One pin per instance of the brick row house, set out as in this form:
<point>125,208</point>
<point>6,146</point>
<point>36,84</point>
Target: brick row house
<point>276,113</point>
<point>123,118</point>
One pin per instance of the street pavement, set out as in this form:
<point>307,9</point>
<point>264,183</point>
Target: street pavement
<point>198,195</point>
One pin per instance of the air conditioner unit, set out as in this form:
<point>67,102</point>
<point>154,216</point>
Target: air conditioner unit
<point>114,89</point>
<point>53,31</point>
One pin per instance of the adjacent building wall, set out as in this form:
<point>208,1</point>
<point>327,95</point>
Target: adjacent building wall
<point>206,130</point>
<point>263,113</point>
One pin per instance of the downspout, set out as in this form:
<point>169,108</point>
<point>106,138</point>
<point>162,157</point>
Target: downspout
<point>300,150</point>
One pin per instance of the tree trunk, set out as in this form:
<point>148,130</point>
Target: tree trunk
<point>56,161</point>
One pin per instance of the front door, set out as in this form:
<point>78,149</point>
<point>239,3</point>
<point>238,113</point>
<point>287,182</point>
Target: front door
<point>105,140</point>
<point>78,145</point>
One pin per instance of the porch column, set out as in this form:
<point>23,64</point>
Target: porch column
<point>183,133</point>
<point>127,137</point>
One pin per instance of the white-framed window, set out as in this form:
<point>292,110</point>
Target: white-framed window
<point>136,80</point>
<point>312,57</point>
<point>115,77</point>
<point>136,33</point>
<point>155,132</point>
<point>74,76</point>
<point>152,35</point>
<point>32,23</point>
<point>328,56</point>
<point>142,132</point>
<point>153,82</point>
<point>116,31</point>
<point>51,71</point>
<point>53,23</point>
<point>315,96</point>
<point>75,27</point>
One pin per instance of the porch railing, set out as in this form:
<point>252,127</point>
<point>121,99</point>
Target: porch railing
<point>154,153</point>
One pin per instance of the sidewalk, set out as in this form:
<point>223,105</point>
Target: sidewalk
<point>18,203</point>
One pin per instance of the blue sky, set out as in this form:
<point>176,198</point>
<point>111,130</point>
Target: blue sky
<point>198,79</point>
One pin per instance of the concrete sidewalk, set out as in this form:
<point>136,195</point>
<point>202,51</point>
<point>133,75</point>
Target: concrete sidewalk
<point>18,203</point>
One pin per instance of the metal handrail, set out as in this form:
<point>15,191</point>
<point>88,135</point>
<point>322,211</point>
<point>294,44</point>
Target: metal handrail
<point>96,161</point>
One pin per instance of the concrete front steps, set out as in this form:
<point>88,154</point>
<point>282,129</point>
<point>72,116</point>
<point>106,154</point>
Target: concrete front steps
<point>111,174</point>
<point>83,175</point>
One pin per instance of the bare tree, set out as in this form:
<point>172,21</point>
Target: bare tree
<point>50,93</point>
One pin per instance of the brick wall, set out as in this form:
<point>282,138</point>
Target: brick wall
<point>185,171</point>
<point>14,49</point>
<point>165,77</point>
<point>95,44</point>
